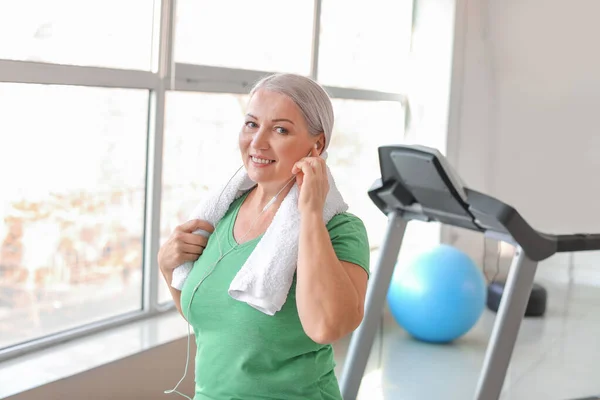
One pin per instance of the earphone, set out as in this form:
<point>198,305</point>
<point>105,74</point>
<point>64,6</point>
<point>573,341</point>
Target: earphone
<point>221,256</point>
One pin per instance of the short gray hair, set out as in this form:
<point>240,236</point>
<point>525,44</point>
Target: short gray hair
<point>309,96</point>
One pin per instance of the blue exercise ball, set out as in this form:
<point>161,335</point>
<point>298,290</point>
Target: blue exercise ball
<point>438,296</point>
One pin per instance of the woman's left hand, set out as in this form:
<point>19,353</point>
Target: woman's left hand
<point>312,182</point>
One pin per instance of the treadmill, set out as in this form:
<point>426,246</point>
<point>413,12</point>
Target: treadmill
<point>417,183</point>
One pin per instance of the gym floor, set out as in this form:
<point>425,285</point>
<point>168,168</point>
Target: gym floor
<point>555,358</point>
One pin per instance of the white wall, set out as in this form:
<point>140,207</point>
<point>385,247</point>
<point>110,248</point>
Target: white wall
<point>525,123</point>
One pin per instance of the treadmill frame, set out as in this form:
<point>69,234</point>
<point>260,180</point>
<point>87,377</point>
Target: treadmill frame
<point>504,334</point>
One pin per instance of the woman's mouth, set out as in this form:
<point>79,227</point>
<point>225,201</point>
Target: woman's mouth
<point>261,161</point>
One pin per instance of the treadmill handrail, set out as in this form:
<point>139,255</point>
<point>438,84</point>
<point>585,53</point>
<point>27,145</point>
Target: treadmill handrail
<point>537,246</point>
<point>577,242</point>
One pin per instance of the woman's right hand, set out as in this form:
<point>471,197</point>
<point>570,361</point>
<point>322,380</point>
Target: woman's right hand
<point>183,245</point>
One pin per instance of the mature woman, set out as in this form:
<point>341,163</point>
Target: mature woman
<point>243,353</point>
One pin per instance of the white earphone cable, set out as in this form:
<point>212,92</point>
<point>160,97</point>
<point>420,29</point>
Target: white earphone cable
<point>212,268</point>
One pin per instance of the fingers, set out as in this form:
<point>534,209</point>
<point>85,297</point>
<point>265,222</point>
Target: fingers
<point>183,257</point>
<point>185,247</point>
<point>194,225</point>
<point>312,169</point>
<point>174,253</point>
<point>191,238</point>
<point>188,257</point>
<point>304,165</point>
<point>318,166</point>
<point>309,166</point>
<point>298,166</point>
<point>189,248</point>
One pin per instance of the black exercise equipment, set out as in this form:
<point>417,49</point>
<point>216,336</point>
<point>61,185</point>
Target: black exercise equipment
<point>536,304</point>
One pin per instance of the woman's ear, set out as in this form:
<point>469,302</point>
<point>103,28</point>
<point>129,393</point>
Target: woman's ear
<point>320,144</point>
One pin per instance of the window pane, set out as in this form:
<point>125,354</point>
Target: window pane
<point>107,33</point>
<point>72,167</point>
<point>365,46</point>
<point>200,153</point>
<point>360,128</point>
<point>268,35</point>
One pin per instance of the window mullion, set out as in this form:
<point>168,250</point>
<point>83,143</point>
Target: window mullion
<point>314,62</point>
<point>164,38</point>
<point>73,75</point>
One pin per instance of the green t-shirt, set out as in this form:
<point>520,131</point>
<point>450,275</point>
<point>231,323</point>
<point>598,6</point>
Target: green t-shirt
<point>243,353</point>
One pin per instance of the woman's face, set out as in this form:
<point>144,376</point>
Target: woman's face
<point>274,137</point>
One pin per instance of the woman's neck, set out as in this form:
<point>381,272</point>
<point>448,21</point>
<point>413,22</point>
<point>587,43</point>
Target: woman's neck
<point>264,193</point>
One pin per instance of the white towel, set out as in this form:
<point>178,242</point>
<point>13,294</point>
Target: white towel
<point>265,279</point>
<point>212,209</point>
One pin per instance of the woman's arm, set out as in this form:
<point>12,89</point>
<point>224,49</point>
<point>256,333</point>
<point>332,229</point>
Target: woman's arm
<point>330,293</point>
<point>175,294</point>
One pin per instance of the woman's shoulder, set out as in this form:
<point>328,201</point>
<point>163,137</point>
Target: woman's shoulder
<point>346,221</point>
<point>349,239</point>
<point>349,228</point>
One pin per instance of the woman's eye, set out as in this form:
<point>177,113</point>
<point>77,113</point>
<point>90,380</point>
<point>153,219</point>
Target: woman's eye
<point>281,130</point>
<point>250,124</point>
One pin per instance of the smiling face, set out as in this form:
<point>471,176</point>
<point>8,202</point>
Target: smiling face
<point>274,137</point>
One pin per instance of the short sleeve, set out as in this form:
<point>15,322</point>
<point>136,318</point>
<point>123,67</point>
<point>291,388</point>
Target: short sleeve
<point>349,239</point>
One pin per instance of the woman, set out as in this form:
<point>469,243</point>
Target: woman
<point>241,352</point>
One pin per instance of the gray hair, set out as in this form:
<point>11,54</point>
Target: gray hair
<point>309,96</point>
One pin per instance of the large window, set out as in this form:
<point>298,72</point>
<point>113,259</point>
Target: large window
<point>118,117</point>
<point>365,44</point>
<point>72,167</point>
<point>106,33</point>
<point>267,35</point>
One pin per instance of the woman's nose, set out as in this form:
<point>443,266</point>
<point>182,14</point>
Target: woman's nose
<point>261,139</point>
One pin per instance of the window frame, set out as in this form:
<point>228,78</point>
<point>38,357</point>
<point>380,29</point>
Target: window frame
<point>164,75</point>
